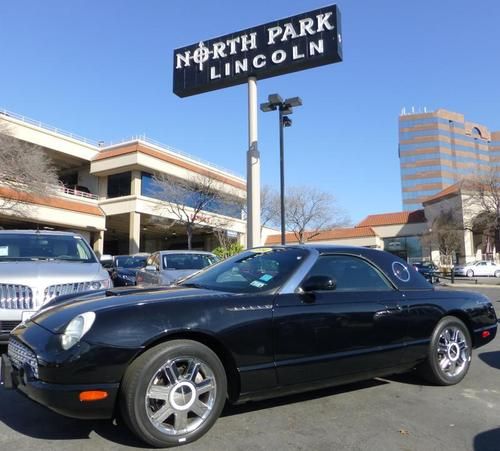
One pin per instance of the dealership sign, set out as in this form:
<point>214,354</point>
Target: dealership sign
<point>288,45</point>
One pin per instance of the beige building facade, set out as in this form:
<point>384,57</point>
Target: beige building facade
<point>107,193</point>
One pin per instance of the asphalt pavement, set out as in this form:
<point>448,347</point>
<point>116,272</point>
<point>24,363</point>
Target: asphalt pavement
<point>394,413</point>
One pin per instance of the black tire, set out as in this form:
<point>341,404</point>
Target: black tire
<point>435,369</point>
<point>470,273</point>
<point>497,273</point>
<point>150,370</point>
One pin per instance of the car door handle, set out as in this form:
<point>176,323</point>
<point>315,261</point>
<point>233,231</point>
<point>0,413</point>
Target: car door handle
<point>395,308</point>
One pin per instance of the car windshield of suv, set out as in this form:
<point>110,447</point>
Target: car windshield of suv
<point>188,261</point>
<point>39,246</point>
<point>127,261</point>
<point>250,272</point>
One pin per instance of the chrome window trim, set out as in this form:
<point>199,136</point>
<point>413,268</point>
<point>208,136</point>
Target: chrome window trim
<point>291,285</point>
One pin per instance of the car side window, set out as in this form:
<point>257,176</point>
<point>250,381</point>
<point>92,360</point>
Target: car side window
<point>350,273</point>
<point>153,260</point>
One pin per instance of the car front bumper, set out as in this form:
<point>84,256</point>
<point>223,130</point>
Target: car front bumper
<point>63,399</point>
<point>38,367</point>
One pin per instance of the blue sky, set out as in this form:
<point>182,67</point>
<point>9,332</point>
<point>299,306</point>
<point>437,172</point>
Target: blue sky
<point>103,69</point>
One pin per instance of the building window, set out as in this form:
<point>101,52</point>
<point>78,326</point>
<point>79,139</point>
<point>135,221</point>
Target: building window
<point>119,184</point>
<point>408,248</point>
<point>226,207</point>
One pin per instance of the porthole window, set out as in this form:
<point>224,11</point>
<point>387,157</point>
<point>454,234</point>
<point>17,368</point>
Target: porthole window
<point>401,271</point>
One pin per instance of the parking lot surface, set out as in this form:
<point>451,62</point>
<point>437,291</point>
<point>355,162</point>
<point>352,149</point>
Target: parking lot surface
<point>395,413</point>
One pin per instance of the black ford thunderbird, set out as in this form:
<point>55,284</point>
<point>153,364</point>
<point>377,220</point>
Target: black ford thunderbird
<point>267,322</point>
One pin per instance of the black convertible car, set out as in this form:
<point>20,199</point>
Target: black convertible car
<point>267,322</point>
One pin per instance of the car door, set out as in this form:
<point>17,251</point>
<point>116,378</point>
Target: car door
<point>150,274</point>
<point>481,269</point>
<point>358,326</point>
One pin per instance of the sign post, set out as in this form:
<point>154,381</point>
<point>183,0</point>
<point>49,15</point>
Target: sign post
<point>253,169</point>
<point>287,45</point>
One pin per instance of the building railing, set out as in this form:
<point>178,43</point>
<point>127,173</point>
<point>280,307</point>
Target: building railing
<point>170,149</point>
<point>75,192</point>
<point>50,128</point>
<point>101,145</point>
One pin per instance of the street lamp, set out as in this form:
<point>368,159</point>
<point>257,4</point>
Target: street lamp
<point>285,108</point>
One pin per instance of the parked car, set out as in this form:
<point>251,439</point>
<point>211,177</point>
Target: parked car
<point>166,267</point>
<point>123,269</point>
<point>478,268</point>
<point>429,270</point>
<point>36,266</point>
<point>267,322</point>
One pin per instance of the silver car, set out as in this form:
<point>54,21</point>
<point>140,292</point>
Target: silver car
<point>478,268</point>
<point>166,267</point>
<point>37,266</point>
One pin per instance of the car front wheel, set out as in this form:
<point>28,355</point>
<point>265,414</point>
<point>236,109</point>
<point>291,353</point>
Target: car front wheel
<point>470,273</point>
<point>173,393</point>
<point>497,273</point>
<point>450,353</point>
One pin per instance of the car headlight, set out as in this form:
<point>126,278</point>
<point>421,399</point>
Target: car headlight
<point>76,329</point>
<point>99,284</point>
<point>127,277</point>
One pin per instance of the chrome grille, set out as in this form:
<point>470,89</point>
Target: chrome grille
<point>20,355</point>
<point>66,288</point>
<point>7,326</point>
<point>16,297</point>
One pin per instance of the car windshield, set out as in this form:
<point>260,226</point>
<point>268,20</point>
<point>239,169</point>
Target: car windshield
<point>250,272</point>
<point>127,261</point>
<point>39,246</point>
<point>188,261</point>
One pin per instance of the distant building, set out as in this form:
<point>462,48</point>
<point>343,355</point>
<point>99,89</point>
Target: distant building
<point>399,233</point>
<point>437,149</point>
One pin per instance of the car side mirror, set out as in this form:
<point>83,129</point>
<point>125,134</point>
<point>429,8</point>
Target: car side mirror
<point>319,283</point>
<point>150,268</point>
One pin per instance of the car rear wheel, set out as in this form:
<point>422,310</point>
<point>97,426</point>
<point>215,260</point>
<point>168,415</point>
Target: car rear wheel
<point>173,393</point>
<point>470,273</point>
<point>497,273</point>
<point>450,353</point>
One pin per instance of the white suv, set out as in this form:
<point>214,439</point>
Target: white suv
<point>37,266</point>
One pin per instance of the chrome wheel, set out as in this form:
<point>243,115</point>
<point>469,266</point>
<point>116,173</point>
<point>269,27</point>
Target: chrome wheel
<point>180,396</point>
<point>453,351</point>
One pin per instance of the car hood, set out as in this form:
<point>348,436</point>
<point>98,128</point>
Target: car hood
<point>44,273</point>
<point>127,271</point>
<point>56,317</point>
<point>171,275</point>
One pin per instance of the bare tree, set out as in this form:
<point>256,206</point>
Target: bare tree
<point>308,211</point>
<point>25,171</point>
<point>484,192</point>
<point>187,199</point>
<point>447,234</point>
<point>269,207</point>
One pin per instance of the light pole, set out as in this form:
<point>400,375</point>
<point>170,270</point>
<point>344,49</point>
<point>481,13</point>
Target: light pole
<point>285,108</point>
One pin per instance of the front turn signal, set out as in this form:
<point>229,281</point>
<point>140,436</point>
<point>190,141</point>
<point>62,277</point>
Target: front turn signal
<point>93,395</point>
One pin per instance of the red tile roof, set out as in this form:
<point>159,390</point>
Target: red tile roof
<point>451,190</point>
<point>402,217</point>
<point>333,234</point>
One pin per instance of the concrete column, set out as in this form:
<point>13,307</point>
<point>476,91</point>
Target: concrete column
<point>134,234</point>
<point>103,187</point>
<point>135,183</point>
<point>470,253</point>
<point>99,243</point>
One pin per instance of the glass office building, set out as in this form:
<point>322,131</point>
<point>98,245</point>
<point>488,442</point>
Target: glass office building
<point>440,148</point>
